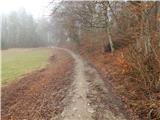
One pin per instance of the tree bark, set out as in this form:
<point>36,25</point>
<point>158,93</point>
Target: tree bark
<point>109,30</point>
<point>148,36</point>
<point>110,39</point>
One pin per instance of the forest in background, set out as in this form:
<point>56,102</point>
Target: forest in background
<point>21,30</point>
<point>122,39</point>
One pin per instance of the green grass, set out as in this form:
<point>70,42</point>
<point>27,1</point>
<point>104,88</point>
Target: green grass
<point>17,62</point>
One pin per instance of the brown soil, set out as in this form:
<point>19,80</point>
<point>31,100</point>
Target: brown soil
<point>106,104</point>
<point>108,68</point>
<point>39,94</point>
<point>114,74</point>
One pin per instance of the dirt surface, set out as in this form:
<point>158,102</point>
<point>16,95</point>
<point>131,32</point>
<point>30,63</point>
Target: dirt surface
<point>79,108</point>
<point>67,89</point>
<point>88,98</point>
<point>115,80</point>
<point>107,106</point>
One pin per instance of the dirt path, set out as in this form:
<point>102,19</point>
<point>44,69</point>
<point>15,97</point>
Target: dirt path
<point>83,103</point>
<point>67,89</point>
<point>79,108</point>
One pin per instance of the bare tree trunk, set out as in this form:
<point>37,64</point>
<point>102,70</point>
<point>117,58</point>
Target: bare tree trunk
<point>109,31</point>
<point>156,16</point>
<point>140,40</point>
<point>103,44</point>
<point>110,39</point>
<point>148,37</point>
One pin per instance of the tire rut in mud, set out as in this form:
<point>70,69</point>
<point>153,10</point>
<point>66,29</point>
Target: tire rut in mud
<point>106,105</point>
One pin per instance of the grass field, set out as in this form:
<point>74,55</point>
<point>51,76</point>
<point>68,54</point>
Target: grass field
<point>17,62</point>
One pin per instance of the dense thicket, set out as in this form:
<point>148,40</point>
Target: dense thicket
<point>20,29</point>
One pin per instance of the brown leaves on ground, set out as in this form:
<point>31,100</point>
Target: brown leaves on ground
<point>39,94</point>
<point>115,70</point>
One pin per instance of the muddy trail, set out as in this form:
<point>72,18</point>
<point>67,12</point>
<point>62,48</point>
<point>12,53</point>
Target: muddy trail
<point>69,88</point>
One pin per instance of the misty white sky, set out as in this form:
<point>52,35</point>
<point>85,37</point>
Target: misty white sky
<point>36,7</point>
